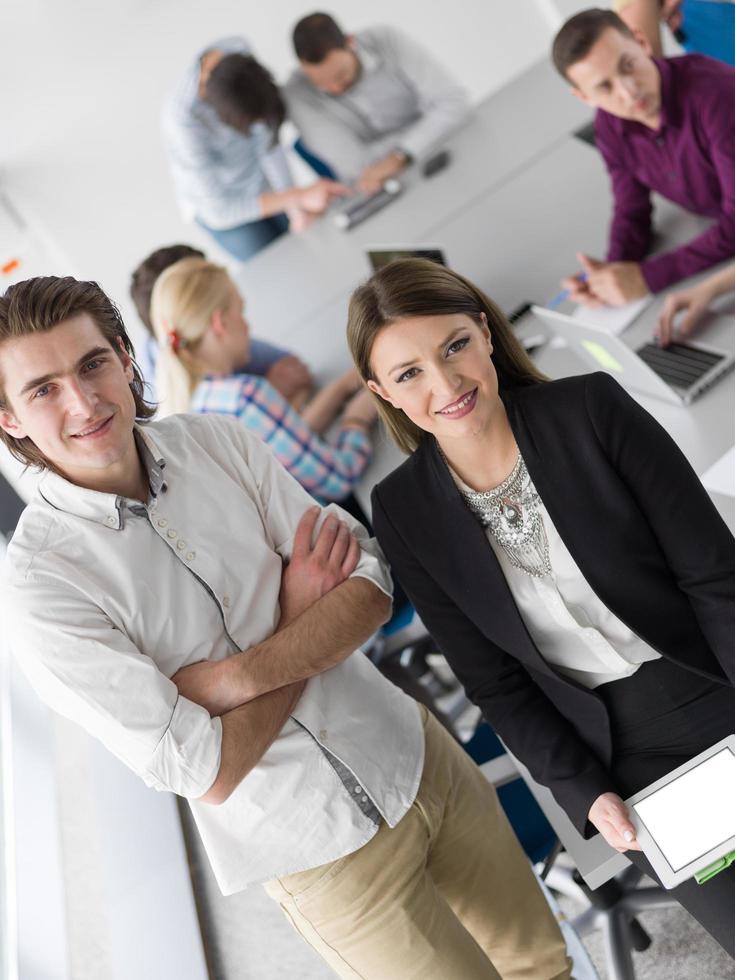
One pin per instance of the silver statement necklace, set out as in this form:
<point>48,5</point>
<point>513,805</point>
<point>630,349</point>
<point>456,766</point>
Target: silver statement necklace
<point>512,512</point>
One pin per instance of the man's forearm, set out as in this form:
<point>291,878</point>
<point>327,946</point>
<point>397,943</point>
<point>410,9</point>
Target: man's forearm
<point>322,636</point>
<point>275,202</point>
<point>247,733</point>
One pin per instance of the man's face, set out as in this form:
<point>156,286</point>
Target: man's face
<point>619,76</point>
<point>68,390</point>
<point>338,72</point>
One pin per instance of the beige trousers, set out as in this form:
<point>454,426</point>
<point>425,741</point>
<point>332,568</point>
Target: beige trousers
<point>447,894</point>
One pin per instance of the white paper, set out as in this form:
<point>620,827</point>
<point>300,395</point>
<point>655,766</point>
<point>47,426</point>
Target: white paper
<point>720,477</point>
<point>613,319</point>
<point>695,813</point>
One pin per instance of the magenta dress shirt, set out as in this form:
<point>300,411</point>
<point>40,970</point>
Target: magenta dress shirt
<point>690,160</point>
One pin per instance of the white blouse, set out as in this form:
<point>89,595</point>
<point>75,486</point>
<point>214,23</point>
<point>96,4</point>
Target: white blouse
<point>572,628</point>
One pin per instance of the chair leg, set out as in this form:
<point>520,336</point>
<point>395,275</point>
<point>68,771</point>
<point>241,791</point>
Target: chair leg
<point>550,858</point>
<point>617,940</point>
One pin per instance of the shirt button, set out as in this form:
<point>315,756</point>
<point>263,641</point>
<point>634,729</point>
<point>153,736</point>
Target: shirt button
<point>226,601</point>
<point>191,556</point>
<point>171,533</point>
<point>322,733</point>
<point>364,799</point>
<point>180,544</point>
<point>162,522</point>
<point>358,789</point>
<point>110,521</point>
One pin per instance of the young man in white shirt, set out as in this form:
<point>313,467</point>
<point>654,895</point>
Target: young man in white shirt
<point>369,103</point>
<point>145,597</point>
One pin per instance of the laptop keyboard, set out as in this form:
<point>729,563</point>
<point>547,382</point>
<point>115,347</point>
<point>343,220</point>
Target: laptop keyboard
<point>679,365</point>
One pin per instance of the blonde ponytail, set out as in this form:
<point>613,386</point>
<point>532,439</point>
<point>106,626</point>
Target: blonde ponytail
<point>184,298</point>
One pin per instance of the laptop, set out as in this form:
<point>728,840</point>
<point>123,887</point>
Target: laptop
<point>381,255</point>
<point>677,374</point>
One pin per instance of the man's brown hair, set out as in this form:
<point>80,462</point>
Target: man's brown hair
<point>580,33</point>
<point>37,306</point>
<point>144,277</point>
<point>315,36</point>
<point>242,92</point>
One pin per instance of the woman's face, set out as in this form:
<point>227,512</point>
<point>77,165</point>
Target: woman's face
<point>438,371</point>
<point>236,329</point>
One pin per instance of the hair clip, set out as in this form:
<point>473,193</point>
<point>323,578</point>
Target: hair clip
<point>174,340</point>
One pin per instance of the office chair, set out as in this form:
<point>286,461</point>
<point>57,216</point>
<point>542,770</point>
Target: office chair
<point>613,906</point>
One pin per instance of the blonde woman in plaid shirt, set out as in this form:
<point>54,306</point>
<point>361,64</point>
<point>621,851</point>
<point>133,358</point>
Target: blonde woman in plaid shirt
<point>197,314</point>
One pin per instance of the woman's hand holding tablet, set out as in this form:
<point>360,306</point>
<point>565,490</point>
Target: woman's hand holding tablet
<point>685,822</point>
<point>611,817</point>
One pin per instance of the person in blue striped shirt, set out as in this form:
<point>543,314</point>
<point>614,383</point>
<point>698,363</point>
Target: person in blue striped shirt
<point>204,338</point>
<point>220,129</point>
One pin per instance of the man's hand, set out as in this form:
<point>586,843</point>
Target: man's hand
<point>317,197</point>
<point>694,301</point>
<point>206,683</point>
<point>299,220</point>
<point>317,568</point>
<point>612,283</point>
<point>578,290</point>
<point>672,14</point>
<point>290,376</point>
<point>610,815</point>
<point>375,175</point>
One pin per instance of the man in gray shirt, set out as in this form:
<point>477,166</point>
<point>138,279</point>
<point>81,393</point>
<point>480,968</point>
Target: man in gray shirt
<point>369,103</point>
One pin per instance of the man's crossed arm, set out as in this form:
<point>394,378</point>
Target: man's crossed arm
<point>325,616</point>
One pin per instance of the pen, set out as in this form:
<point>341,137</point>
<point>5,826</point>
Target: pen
<point>564,294</point>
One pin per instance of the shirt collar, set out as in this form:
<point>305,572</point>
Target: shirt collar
<point>671,108</point>
<point>369,58</point>
<point>94,505</point>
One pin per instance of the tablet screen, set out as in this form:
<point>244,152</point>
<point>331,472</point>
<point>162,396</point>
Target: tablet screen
<point>382,257</point>
<point>693,813</point>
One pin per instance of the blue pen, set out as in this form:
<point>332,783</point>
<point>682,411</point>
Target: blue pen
<point>564,294</point>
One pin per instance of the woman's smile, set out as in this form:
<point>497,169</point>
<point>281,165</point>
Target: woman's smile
<point>461,407</point>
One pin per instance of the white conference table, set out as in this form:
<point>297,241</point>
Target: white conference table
<point>516,242</point>
<point>298,275</point>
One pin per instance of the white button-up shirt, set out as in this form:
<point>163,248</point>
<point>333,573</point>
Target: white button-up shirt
<point>105,599</point>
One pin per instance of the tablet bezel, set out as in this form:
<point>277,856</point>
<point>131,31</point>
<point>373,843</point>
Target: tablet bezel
<point>670,878</point>
<point>411,249</point>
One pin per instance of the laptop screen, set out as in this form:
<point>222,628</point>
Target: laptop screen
<point>382,256</point>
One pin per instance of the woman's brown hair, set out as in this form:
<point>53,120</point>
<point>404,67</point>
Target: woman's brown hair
<point>410,288</point>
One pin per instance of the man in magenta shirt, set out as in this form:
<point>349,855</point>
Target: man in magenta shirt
<point>664,125</point>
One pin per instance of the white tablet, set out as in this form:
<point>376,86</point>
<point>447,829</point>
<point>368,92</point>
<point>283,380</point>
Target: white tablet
<point>685,821</point>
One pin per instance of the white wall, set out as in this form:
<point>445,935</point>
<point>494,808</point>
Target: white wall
<point>81,149</point>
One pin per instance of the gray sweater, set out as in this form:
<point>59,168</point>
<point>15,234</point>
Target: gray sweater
<point>403,100</point>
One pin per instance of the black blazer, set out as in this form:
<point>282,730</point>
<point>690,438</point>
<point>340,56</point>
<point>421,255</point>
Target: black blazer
<point>639,525</point>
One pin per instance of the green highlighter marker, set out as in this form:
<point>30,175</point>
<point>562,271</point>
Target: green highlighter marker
<point>714,869</point>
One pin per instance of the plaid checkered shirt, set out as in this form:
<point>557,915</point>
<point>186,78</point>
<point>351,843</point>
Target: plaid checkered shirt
<point>328,470</point>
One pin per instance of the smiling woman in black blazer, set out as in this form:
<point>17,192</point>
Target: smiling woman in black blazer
<point>560,550</point>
